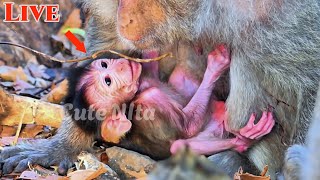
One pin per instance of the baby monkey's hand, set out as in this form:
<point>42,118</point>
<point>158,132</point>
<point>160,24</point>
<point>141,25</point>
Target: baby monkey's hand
<point>218,62</point>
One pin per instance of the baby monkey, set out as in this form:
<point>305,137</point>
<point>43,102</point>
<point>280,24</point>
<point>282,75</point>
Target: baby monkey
<point>177,115</point>
<point>177,119</point>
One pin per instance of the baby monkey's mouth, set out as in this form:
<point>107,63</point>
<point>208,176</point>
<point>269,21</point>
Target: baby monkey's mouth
<point>135,70</point>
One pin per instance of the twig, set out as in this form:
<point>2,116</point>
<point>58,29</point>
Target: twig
<point>34,51</point>
<point>264,172</point>
<point>93,56</point>
<point>142,60</point>
<point>47,87</point>
<point>19,127</point>
<point>2,108</point>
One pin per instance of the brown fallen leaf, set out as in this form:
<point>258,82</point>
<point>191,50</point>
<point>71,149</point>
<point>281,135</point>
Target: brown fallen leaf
<point>58,93</point>
<point>31,131</point>
<point>8,131</point>
<point>90,162</point>
<point>29,175</point>
<point>247,176</point>
<point>96,174</point>
<point>81,174</point>
<point>37,112</point>
<point>34,175</point>
<point>10,176</point>
<point>12,74</point>
<point>104,158</point>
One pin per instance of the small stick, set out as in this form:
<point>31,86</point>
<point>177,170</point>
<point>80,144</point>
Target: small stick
<point>19,127</point>
<point>264,172</point>
<point>142,60</point>
<point>49,86</point>
<point>2,107</point>
<point>93,56</point>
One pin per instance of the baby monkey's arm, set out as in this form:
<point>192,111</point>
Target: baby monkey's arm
<point>196,110</point>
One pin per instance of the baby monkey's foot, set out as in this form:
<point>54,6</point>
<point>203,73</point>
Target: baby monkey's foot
<point>253,132</point>
<point>218,62</point>
<point>256,131</point>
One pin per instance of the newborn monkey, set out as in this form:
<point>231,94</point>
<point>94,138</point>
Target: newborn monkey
<point>175,115</point>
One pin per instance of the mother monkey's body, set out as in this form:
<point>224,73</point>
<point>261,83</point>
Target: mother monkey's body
<point>275,54</point>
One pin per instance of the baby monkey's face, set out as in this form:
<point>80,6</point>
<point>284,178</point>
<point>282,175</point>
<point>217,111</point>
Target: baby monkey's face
<point>111,81</point>
<point>114,74</point>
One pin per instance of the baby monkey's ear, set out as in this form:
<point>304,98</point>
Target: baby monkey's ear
<point>115,127</point>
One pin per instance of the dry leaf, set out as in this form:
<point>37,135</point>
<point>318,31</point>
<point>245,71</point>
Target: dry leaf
<point>31,131</point>
<point>34,175</point>
<point>90,162</point>
<point>12,74</point>
<point>21,85</point>
<point>10,176</point>
<point>29,175</point>
<point>58,93</point>
<point>81,174</point>
<point>8,131</point>
<point>247,176</point>
<point>99,172</point>
<point>104,158</point>
<point>39,112</point>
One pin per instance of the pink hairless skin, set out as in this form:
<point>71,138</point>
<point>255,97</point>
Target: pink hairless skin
<point>202,121</point>
<point>210,140</point>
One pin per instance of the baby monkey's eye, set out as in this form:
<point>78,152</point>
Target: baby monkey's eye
<point>104,65</point>
<point>108,81</point>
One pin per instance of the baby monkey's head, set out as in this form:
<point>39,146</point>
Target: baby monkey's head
<point>109,82</point>
<point>99,88</point>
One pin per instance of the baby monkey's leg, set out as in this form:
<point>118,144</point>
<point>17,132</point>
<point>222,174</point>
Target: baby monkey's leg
<point>207,142</point>
<point>256,131</point>
<point>184,82</point>
<point>196,110</point>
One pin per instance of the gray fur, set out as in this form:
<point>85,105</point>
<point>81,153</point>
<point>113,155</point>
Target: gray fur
<point>310,167</point>
<point>230,162</point>
<point>301,161</point>
<point>294,160</point>
<point>62,149</point>
<point>275,59</point>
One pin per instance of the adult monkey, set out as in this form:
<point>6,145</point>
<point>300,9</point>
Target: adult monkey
<point>303,161</point>
<point>274,45</point>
